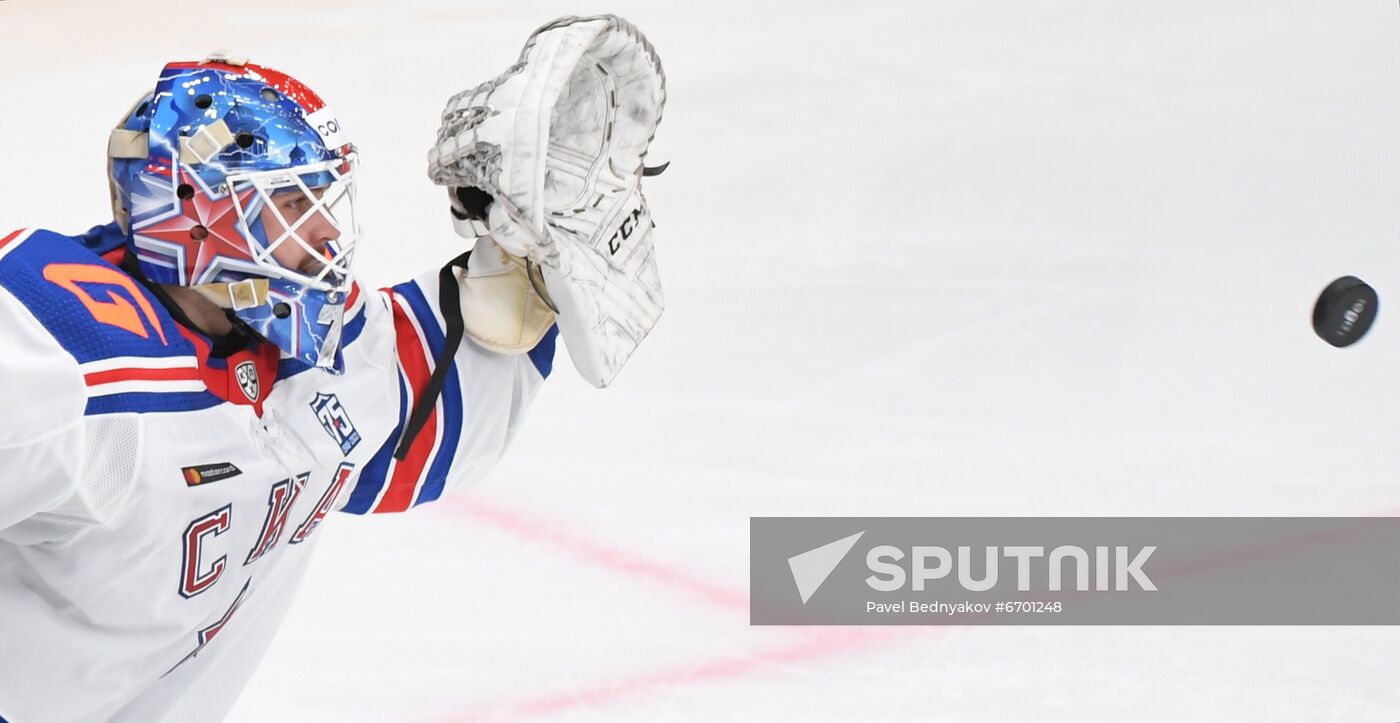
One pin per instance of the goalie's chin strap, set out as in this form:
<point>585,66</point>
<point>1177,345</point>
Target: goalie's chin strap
<point>221,347</point>
<point>450,303</point>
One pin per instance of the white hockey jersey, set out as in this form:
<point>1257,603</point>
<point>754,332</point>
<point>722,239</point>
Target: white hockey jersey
<point>158,505</point>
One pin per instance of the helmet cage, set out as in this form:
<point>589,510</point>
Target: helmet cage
<point>330,188</point>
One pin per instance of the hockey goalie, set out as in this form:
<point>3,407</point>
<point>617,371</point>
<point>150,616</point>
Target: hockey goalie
<point>196,386</point>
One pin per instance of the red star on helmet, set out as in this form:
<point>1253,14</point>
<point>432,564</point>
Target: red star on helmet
<point>220,236</point>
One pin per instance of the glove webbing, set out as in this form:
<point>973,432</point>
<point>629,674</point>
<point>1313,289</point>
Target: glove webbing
<point>450,304</point>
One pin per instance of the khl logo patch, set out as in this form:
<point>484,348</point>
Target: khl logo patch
<point>247,375</point>
<point>336,421</point>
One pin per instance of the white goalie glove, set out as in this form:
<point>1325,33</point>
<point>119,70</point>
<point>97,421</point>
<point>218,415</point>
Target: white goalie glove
<point>547,160</point>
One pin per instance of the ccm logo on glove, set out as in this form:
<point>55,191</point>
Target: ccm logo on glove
<point>624,231</point>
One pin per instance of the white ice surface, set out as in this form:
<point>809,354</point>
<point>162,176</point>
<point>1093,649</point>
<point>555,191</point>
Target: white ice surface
<point>922,258</point>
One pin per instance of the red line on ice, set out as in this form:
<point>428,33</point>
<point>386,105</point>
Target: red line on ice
<point>601,555</point>
<point>817,642</point>
<point>822,642</point>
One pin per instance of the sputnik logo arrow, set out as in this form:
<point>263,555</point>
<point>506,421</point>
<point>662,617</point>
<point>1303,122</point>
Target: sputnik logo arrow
<point>811,568</point>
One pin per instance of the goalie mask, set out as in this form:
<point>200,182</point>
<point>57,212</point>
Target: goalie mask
<point>235,180</point>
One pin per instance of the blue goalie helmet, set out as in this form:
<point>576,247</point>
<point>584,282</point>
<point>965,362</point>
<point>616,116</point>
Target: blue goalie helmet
<point>237,181</point>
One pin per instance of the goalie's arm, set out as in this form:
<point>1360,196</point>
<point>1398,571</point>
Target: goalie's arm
<point>42,430</point>
<point>473,416</point>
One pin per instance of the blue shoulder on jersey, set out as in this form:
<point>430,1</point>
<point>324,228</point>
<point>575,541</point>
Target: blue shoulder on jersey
<point>103,240</point>
<point>131,352</point>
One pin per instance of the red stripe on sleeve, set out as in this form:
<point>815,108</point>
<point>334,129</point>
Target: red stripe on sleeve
<point>143,375</point>
<point>11,237</point>
<point>404,481</point>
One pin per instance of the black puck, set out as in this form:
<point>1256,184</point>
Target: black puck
<point>1345,311</point>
